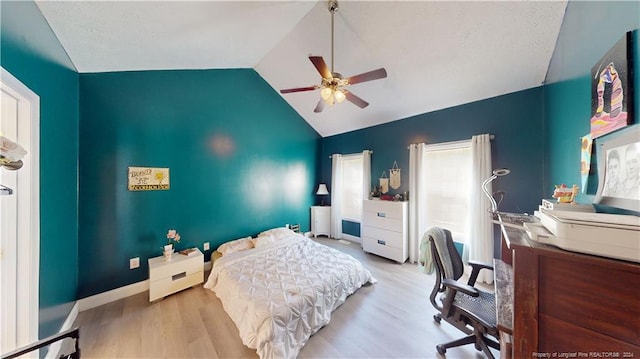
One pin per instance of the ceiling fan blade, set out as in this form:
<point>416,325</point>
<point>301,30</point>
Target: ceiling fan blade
<point>368,76</point>
<point>319,106</point>
<point>321,66</point>
<point>356,100</point>
<point>299,89</point>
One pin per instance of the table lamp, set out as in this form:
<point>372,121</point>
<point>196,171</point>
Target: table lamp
<point>322,191</point>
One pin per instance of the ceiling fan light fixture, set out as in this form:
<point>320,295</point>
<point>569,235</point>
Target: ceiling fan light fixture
<point>332,83</point>
<point>326,93</point>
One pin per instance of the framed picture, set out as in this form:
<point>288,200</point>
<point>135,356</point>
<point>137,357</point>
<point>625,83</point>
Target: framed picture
<point>619,171</point>
<point>612,89</point>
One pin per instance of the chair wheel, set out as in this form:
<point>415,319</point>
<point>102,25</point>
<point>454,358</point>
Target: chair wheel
<point>441,349</point>
<point>437,318</point>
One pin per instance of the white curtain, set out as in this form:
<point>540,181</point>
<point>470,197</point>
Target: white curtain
<point>480,226</point>
<point>366,174</point>
<point>417,200</point>
<point>336,196</point>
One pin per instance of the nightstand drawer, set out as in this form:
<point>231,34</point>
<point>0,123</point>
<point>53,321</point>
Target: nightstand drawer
<point>181,272</point>
<point>178,264</point>
<point>168,285</point>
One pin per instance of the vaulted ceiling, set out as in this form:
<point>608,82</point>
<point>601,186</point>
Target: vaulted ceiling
<point>437,54</point>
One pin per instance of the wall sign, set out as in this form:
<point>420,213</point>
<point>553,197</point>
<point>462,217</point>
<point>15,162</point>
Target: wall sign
<point>148,179</point>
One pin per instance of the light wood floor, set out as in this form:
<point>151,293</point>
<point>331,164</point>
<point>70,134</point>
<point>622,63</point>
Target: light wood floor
<point>390,319</point>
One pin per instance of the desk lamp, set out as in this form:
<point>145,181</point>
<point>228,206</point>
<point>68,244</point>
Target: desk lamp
<point>496,173</point>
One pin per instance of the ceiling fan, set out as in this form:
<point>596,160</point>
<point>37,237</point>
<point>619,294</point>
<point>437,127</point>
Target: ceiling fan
<point>333,84</point>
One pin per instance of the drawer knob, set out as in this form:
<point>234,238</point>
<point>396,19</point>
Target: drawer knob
<point>380,241</point>
<point>381,214</point>
<point>178,276</point>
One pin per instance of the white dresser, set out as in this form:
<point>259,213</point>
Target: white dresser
<point>385,229</point>
<point>321,220</point>
<point>181,272</point>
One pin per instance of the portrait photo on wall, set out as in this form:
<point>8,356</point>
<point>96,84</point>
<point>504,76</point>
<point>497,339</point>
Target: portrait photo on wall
<point>612,89</point>
<point>619,171</point>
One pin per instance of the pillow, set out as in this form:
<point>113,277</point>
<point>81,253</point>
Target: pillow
<point>236,245</point>
<point>263,240</point>
<point>278,233</point>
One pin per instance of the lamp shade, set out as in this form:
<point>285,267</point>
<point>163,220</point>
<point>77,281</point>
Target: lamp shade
<point>322,189</point>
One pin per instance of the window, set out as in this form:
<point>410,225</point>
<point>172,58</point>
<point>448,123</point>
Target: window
<point>352,187</point>
<point>447,187</point>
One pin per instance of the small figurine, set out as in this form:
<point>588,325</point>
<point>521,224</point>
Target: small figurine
<point>565,194</point>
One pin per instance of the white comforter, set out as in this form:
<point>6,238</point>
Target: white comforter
<point>281,294</point>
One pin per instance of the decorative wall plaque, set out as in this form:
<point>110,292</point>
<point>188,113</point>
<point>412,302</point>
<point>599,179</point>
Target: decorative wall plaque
<point>148,179</point>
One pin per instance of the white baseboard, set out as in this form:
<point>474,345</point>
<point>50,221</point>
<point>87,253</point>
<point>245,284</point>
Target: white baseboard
<point>54,348</point>
<point>98,300</point>
<point>118,293</point>
<point>351,238</point>
<point>112,295</point>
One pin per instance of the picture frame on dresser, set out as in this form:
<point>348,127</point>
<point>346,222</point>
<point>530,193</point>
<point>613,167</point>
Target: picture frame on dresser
<point>619,170</point>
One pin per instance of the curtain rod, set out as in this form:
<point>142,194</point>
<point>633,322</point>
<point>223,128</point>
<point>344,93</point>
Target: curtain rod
<point>491,137</point>
<point>370,151</point>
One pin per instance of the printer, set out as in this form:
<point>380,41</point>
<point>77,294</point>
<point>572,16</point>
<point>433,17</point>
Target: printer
<point>608,235</point>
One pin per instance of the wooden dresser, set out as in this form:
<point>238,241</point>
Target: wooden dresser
<point>384,229</point>
<point>571,304</point>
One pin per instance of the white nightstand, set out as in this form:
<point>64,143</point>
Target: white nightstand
<point>321,220</point>
<point>181,272</point>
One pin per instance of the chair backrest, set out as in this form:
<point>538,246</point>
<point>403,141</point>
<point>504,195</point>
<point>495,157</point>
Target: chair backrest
<point>446,257</point>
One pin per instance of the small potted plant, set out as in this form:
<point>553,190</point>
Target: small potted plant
<point>172,237</point>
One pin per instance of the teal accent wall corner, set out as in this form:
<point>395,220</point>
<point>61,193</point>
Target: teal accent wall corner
<point>515,119</point>
<point>240,159</point>
<point>31,53</point>
<point>567,95</point>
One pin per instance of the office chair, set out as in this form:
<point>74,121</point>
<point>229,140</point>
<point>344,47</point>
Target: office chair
<point>465,307</point>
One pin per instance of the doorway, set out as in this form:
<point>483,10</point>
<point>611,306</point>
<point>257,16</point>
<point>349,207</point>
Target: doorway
<point>19,217</point>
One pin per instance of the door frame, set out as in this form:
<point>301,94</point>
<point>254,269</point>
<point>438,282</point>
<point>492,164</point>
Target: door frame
<point>28,210</point>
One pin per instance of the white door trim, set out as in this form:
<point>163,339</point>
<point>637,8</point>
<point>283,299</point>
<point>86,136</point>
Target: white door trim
<point>28,221</point>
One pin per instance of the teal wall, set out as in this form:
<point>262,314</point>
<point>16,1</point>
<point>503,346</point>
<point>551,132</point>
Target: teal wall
<point>30,52</point>
<point>515,119</point>
<point>241,161</point>
<point>588,31</point>
<point>268,160</point>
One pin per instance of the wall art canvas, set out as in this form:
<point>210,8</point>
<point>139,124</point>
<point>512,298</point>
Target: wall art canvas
<point>619,171</point>
<point>611,89</point>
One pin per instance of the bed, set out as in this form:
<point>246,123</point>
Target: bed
<point>283,289</point>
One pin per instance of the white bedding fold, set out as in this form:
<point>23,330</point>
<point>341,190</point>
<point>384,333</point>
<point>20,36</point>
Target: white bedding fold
<point>281,294</point>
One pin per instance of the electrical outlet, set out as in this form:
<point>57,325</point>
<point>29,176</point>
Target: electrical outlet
<point>134,262</point>
<point>206,246</point>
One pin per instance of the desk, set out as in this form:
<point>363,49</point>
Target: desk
<point>567,302</point>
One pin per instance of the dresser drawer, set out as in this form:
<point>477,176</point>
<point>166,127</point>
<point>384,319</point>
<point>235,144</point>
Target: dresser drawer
<point>376,246</point>
<point>165,286</point>
<point>379,220</point>
<point>385,209</point>
<point>390,238</point>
